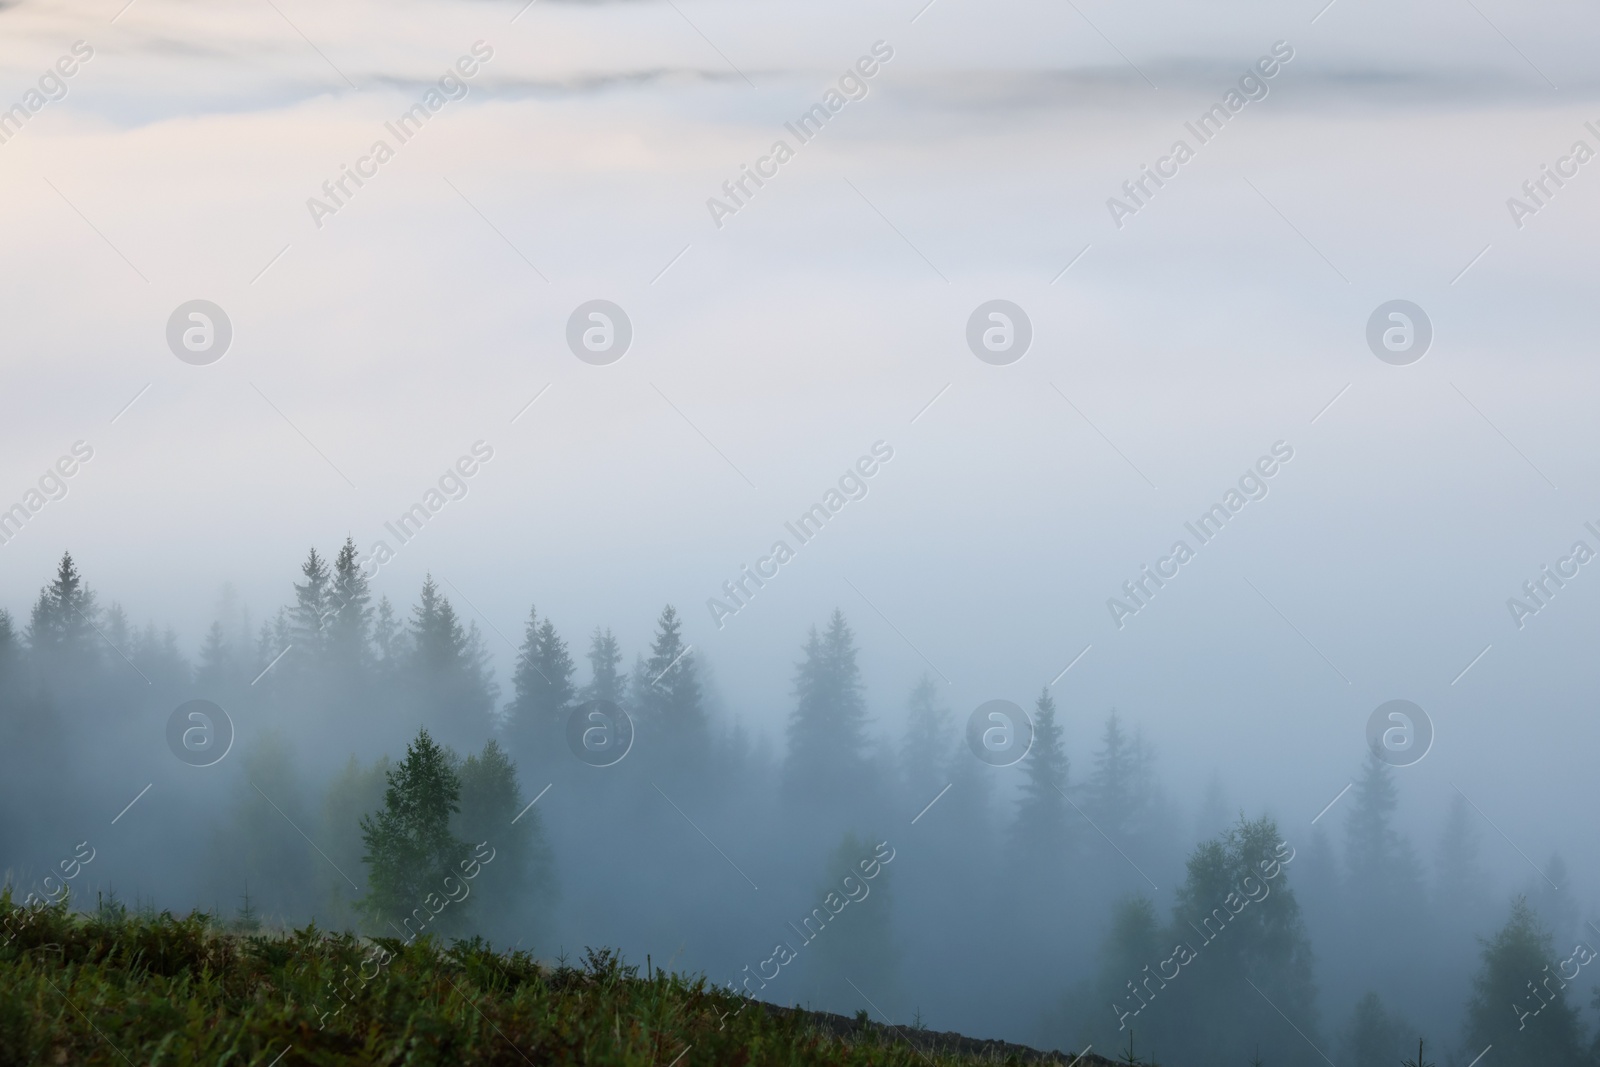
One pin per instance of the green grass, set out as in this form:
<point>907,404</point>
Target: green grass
<point>113,988</point>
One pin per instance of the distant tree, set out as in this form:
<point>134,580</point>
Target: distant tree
<point>348,622</point>
<point>607,681</point>
<point>1321,886</point>
<point>1383,900</point>
<point>449,671</point>
<point>827,730</point>
<point>1109,1003</point>
<point>1458,864</point>
<point>388,636</point>
<point>61,632</point>
<point>310,604</point>
<point>1041,826</point>
<point>515,890</point>
<point>1519,1002</point>
<point>1244,930</point>
<point>857,945</point>
<point>670,702</point>
<point>354,791</point>
<point>926,750</point>
<point>542,681</point>
<point>218,669</point>
<point>155,653</point>
<point>1373,1037</point>
<point>116,629</point>
<point>1214,815</point>
<point>1378,859</point>
<point>18,734</point>
<point>1115,795</point>
<point>410,848</point>
<point>1550,896</point>
<point>11,662</point>
<point>259,844</point>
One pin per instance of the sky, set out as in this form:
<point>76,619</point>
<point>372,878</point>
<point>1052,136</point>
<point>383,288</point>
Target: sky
<point>1175,342</point>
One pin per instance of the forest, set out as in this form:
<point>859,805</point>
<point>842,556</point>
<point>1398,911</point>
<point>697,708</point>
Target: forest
<point>376,780</point>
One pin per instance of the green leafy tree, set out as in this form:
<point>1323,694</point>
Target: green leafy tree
<point>1237,915</point>
<point>1519,1000</point>
<point>410,848</point>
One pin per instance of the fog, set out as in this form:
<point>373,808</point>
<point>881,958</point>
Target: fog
<point>399,364</point>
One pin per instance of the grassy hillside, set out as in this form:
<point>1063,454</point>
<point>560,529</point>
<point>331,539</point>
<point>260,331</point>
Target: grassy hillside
<point>118,989</point>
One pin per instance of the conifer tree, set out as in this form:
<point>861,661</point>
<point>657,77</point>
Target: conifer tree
<point>1113,794</point>
<point>516,888</point>
<point>216,670</point>
<point>1374,852</point>
<point>1041,825</point>
<point>1519,1000</point>
<point>348,622</point>
<point>1107,1004</point>
<point>449,670</point>
<point>670,702</point>
<point>388,637</point>
<point>857,944</point>
<point>1383,894</point>
<point>607,681</point>
<point>354,792</point>
<point>410,848</point>
<point>310,603</point>
<point>259,843</point>
<point>1374,1037</point>
<point>1550,896</point>
<point>536,717</point>
<point>926,750</point>
<point>1458,866</point>
<point>10,659</point>
<point>827,730</point>
<point>61,631</point>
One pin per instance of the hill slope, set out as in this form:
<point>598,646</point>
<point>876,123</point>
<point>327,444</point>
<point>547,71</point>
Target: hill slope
<point>121,990</point>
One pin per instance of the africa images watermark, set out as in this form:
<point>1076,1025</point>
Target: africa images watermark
<point>1252,486</point>
<point>1184,953</point>
<point>852,85</point>
<point>52,486</point>
<point>855,890</point>
<point>1252,86</point>
<point>452,85</point>
<point>852,486</point>
<point>1579,154</point>
<point>1542,588</point>
<point>52,87</point>
<point>452,485</point>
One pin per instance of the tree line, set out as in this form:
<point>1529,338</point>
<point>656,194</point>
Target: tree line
<point>383,782</point>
